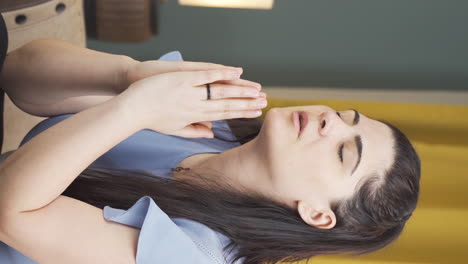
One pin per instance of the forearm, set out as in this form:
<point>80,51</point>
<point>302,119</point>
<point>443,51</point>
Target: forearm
<point>39,171</point>
<point>49,77</point>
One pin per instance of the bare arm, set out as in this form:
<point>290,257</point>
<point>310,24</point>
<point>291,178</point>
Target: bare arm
<point>48,77</point>
<point>32,177</point>
<point>70,231</point>
<point>46,226</point>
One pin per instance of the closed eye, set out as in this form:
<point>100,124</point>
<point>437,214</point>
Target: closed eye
<point>340,152</point>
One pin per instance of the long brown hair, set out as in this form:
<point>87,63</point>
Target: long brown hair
<point>262,230</point>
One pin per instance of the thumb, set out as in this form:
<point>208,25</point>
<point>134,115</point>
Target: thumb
<point>195,131</point>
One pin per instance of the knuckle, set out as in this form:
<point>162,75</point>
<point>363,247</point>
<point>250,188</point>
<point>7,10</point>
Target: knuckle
<point>219,116</point>
<point>231,115</point>
<point>244,93</point>
<point>245,105</point>
<point>238,114</point>
<point>209,75</point>
<point>219,73</point>
<point>227,107</point>
<point>221,92</point>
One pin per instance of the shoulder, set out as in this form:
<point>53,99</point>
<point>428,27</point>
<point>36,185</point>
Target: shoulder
<point>162,239</point>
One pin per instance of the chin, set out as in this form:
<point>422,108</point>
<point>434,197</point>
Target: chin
<point>277,131</point>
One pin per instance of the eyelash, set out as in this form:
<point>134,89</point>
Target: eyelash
<point>340,150</point>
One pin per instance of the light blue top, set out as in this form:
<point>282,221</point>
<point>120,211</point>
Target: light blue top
<point>162,239</point>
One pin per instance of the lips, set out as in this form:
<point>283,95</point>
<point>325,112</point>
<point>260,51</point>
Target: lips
<point>300,121</point>
<point>297,123</point>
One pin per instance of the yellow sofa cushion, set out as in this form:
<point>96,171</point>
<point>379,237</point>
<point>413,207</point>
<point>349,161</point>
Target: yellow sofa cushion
<point>438,229</point>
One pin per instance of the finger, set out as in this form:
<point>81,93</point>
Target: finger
<point>234,104</point>
<point>233,114</point>
<point>208,124</point>
<point>221,91</point>
<point>242,82</point>
<point>201,66</point>
<point>210,76</point>
<point>194,131</point>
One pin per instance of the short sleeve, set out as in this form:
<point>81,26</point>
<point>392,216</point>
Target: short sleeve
<point>161,240</point>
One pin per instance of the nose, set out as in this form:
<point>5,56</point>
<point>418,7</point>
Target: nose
<point>330,122</point>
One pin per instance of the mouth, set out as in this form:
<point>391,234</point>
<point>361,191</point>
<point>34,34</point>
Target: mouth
<point>300,119</point>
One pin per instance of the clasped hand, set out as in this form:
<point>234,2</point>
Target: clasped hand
<point>174,101</point>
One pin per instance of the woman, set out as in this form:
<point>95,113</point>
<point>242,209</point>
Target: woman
<point>311,181</point>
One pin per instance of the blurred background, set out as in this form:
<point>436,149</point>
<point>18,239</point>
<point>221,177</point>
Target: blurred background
<point>399,44</point>
<point>402,61</point>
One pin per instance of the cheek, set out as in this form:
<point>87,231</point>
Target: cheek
<point>321,156</point>
<point>324,169</point>
<point>306,170</point>
<point>323,173</point>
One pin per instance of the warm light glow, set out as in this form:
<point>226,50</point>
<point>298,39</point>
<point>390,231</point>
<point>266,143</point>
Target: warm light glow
<point>253,4</point>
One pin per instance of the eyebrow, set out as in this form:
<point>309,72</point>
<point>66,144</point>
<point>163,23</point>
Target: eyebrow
<point>357,117</point>
<point>358,141</point>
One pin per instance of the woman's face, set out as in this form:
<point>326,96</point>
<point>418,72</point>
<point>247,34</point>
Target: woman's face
<point>334,151</point>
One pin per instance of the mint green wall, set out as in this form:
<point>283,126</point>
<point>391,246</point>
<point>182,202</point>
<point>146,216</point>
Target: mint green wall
<point>402,44</point>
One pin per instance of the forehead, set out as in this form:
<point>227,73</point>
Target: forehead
<point>378,148</point>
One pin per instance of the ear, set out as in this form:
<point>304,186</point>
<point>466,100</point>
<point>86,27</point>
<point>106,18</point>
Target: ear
<point>323,218</point>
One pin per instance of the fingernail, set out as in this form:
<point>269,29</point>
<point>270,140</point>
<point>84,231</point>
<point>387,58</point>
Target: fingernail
<point>262,94</point>
<point>262,103</point>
